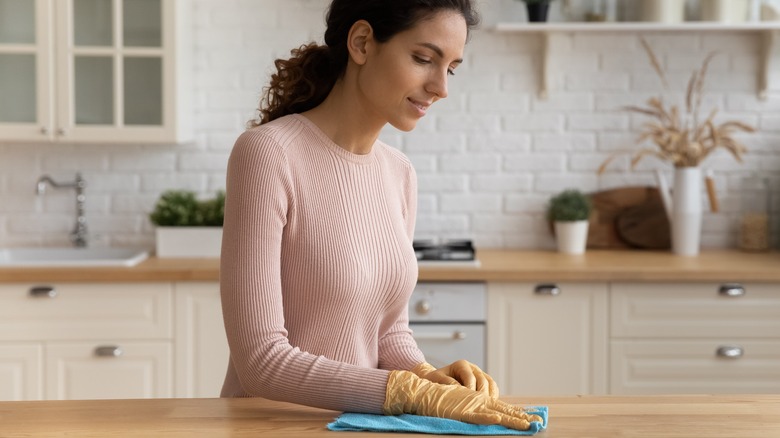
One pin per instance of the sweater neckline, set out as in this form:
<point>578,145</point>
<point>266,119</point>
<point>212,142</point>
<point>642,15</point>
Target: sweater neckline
<point>333,147</point>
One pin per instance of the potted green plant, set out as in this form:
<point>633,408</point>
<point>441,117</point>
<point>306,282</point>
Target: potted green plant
<point>537,10</point>
<point>569,211</point>
<point>187,227</point>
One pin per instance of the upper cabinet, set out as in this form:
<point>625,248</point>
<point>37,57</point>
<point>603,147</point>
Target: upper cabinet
<point>114,71</point>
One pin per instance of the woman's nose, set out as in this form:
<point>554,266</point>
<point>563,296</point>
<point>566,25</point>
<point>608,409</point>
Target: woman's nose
<point>438,85</point>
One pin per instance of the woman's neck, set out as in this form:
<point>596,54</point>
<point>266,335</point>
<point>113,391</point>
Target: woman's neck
<point>344,122</point>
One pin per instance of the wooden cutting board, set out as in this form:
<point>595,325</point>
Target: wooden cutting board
<point>628,217</point>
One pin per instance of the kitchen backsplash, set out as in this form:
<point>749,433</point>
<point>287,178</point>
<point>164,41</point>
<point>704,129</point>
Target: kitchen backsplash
<point>488,157</point>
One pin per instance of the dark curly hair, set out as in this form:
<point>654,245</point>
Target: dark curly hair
<point>304,81</point>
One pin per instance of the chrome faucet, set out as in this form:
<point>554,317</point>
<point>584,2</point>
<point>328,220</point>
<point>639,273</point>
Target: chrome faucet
<point>79,234</point>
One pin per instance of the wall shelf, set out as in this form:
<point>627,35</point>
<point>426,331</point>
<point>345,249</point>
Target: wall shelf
<point>770,31</point>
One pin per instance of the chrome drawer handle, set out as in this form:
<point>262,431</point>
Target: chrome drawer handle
<point>456,335</point>
<point>108,351</point>
<point>547,289</point>
<point>43,291</point>
<point>730,352</point>
<point>423,307</point>
<point>732,290</point>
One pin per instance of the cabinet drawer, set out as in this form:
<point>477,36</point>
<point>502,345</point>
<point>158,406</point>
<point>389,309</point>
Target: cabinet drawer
<point>86,311</point>
<point>109,370</point>
<point>673,310</point>
<point>694,367</point>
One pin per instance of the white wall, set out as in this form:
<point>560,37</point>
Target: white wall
<point>488,157</point>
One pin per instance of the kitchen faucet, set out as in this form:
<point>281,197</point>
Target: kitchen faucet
<point>79,234</point>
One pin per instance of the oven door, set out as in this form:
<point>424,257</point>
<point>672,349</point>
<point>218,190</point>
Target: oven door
<point>443,344</point>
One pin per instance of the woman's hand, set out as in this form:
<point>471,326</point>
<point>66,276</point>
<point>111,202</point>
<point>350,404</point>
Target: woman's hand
<point>407,393</point>
<point>461,372</point>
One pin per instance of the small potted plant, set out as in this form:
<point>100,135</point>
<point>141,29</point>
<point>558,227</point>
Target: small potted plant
<point>569,211</point>
<point>537,10</point>
<point>187,227</point>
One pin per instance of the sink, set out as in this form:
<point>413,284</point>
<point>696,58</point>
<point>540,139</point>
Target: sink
<point>71,256</point>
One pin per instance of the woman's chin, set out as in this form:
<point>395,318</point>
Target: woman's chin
<point>404,125</point>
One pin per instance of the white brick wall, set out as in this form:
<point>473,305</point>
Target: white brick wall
<point>488,158</point>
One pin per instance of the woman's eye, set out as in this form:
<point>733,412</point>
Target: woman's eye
<point>420,60</point>
<point>451,72</point>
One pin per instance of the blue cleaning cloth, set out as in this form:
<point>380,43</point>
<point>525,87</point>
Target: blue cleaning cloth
<point>442,426</point>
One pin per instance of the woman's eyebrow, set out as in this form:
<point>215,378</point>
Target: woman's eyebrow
<point>438,51</point>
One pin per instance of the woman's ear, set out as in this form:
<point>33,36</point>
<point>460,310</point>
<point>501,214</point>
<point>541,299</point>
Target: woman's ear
<point>359,40</point>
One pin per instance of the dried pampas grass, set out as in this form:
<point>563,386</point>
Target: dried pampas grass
<point>679,136</point>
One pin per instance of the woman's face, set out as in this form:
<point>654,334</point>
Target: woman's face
<point>403,77</point>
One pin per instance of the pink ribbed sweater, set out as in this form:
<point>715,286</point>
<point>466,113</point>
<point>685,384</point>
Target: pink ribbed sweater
<point>317,268</point>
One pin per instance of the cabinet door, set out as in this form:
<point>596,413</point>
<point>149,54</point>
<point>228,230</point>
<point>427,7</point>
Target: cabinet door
<point>545,343</point>
<point>21,371</point>
<point>122,74</point>
<point>26,70</point>
<point>201,346</point>
<point>109,369</point>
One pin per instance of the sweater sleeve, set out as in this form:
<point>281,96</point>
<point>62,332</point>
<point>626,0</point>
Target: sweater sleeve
<point>259,199</point>
<point>397,347</point>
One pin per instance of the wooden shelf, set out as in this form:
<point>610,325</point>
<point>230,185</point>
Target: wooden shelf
<point>638,26</point>
<point>769,30</point>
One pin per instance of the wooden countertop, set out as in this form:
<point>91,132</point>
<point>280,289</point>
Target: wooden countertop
<point>711,416</point>
<point>496,265</point>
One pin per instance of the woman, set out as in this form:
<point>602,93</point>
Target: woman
<point>317,263</point>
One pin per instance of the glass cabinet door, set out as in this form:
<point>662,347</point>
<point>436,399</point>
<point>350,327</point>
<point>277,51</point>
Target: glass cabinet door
<point>17,70</point>
<point>24,64</point>
<point>116,62</point>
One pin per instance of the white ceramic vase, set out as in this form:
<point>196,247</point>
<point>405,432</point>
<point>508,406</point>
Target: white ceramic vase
<point>686,211</point>
<point>571,236</point>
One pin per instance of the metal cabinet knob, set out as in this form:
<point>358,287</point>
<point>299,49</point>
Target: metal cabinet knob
<point>60,131</point>
<point>44,130</point>
<point>108,351</point>
<point>729,352</point>
<point>458,335</point>
<point>731,290</point>
<point>547,289</point>
<point>423,307</point>
<point>43,292</point>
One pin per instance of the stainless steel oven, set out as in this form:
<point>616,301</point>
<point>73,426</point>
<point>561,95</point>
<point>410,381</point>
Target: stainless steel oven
<point>448,321</point>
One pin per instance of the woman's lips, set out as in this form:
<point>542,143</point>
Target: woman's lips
<point>419,106</point>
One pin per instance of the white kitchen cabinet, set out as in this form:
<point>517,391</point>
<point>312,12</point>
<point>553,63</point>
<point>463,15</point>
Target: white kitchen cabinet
<point>86,340</point>
<point>694,338</point>
<point>201,345</point>
<point>546,339</point>
<point>21,371</point>
<point>95,71</point>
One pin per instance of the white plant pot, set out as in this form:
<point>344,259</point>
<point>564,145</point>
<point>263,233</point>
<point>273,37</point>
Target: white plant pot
<point>571,236</point>
<point>663,11</point>
<point>188,242</point>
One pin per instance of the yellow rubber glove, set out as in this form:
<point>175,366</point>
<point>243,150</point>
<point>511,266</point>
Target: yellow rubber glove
<point>461,372</point>
<point>409,394</point>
